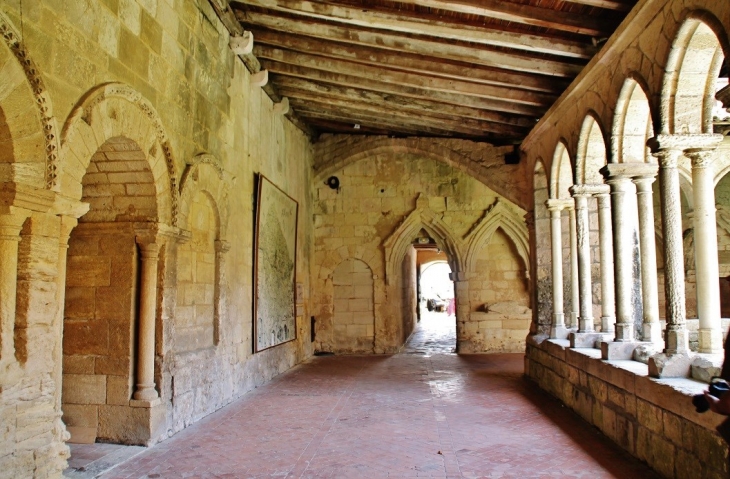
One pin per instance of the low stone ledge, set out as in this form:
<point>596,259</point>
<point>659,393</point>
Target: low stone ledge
<point>653,419</point>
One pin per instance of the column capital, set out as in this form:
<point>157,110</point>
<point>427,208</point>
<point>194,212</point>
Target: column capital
<point>723,96</point>
<point>701,157</point>
<point>683,142</point>
<point>591,189</point>
<point>559,204</point>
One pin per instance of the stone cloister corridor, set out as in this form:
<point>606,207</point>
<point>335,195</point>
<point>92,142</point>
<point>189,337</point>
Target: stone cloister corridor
<point>424,412</point>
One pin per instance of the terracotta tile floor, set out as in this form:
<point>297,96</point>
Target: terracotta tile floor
<point>423,413</point>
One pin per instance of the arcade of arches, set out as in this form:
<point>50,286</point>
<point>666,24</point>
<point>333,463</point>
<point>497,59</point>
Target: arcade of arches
<point>127,178</point>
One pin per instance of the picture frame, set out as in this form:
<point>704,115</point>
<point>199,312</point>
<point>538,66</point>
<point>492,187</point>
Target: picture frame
<point>275,260</point>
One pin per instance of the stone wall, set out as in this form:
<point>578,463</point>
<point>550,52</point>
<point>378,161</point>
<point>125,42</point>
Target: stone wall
<point>135,118</point>
<point>652,419</point>
<point>388,200</point>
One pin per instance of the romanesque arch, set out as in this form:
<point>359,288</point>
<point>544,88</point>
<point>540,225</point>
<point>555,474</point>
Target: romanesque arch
<point>26,115</point>
<point>353,315</point>
<point>693,65</point>
<point>591,154</point>
<point>561,173</point>
<point>201,256</point>
<point>111,111</point>
<point>633,124</point>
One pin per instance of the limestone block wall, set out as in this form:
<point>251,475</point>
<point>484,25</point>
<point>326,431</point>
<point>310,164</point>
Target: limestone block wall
<point>387,200</point>
<point>652,419</point>
<point>353,317</point>
<point>131,114</point>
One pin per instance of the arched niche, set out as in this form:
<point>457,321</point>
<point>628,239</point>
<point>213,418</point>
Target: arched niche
<point>688,91</point>
<point>353,317</point>
<point>200,300</point>
<point>633,125</point>
<point>591,155</point>
<point>499,216</point>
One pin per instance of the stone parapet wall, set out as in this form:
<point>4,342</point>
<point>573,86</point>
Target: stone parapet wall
<point>652,419</point>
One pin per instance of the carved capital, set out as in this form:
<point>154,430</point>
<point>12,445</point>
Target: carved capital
<point>559,204</point>
<point>701,158</point>
<point>222,246</point>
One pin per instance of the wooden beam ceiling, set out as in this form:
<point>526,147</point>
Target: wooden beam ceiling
<point>478,69</point>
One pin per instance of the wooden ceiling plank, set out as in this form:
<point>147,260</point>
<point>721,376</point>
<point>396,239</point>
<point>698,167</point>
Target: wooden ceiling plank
<point>619,6</point>
<point>385,110</point>
<point>375,85</point>
<point>524,14</point>
<point>432,26</point>
<point>415,128</point>
<point>395,77</point>
<point>417,63</point>
<point>397,101</point>
<point>470,54</point>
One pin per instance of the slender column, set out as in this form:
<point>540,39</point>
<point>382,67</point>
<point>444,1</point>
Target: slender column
<point>149,251</point>
<point>677,341</point>
<point>605,231</point>
<point>623,243</point>
<point>11,222</point>
<point>68,223</point>
<point>705,244</point>
<point>558,329</point>
<point>221,248</point>
<point>581,194</point>
<point>651,328</point>
<point>574,285</point>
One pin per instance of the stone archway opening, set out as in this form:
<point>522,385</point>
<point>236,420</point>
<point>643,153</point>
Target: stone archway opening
<point>104,275</point>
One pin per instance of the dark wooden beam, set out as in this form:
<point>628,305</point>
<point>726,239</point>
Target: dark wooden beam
<point>364,83</point>
<point>474,54</point>
<point>525,14</point>
<point>353,117</point>
<point>414,63</point>
<point>394,101</point>
<point>404,79</point>
<point>401,22</point>
<point>334,103</point>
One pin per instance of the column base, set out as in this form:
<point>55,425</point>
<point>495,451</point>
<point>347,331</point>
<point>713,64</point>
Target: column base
<point>625,332</point>
<point>588,340</point>
<point>559,332</point>
<point>664,365</point>
<point>652,333</point>
<point>711,341</point>
<point>619,350</point>
<point>608,324</point>
<point>145,392</point>
<point>573,321</point>
<point>677,341</point>
<point>145,403</point>
<point>586,325</point>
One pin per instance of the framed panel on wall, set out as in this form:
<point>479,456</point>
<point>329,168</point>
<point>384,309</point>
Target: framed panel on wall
<point>275,259</point>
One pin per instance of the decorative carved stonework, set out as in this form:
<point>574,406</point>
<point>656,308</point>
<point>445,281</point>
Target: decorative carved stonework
<point>45,110</point>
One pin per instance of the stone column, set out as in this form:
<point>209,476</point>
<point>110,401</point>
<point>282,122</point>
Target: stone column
<point>558,329</point>
<point>574,285</point>
<point>644,177</point>
<point>581,194</point>
<point>11,222</point>
<point>608,299</point>
<point>623,247</point>
<point>145,387</point>
<point>705,245</point>
<point>221,248</point>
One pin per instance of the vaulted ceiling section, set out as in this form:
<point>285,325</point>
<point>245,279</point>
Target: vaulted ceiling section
<point>483,70</point>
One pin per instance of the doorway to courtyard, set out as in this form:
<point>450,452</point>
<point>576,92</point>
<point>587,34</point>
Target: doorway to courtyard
<point>436,300</point>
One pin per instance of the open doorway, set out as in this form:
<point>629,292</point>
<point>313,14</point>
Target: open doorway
<point>436,302</point>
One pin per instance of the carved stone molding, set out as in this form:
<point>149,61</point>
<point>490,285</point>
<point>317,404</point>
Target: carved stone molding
<point>42,98</point>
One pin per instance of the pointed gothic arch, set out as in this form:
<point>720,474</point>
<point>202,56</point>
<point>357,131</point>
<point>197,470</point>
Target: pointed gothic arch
<point>422,218</point>
<point>498,216</point>
<point>592,154</point>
